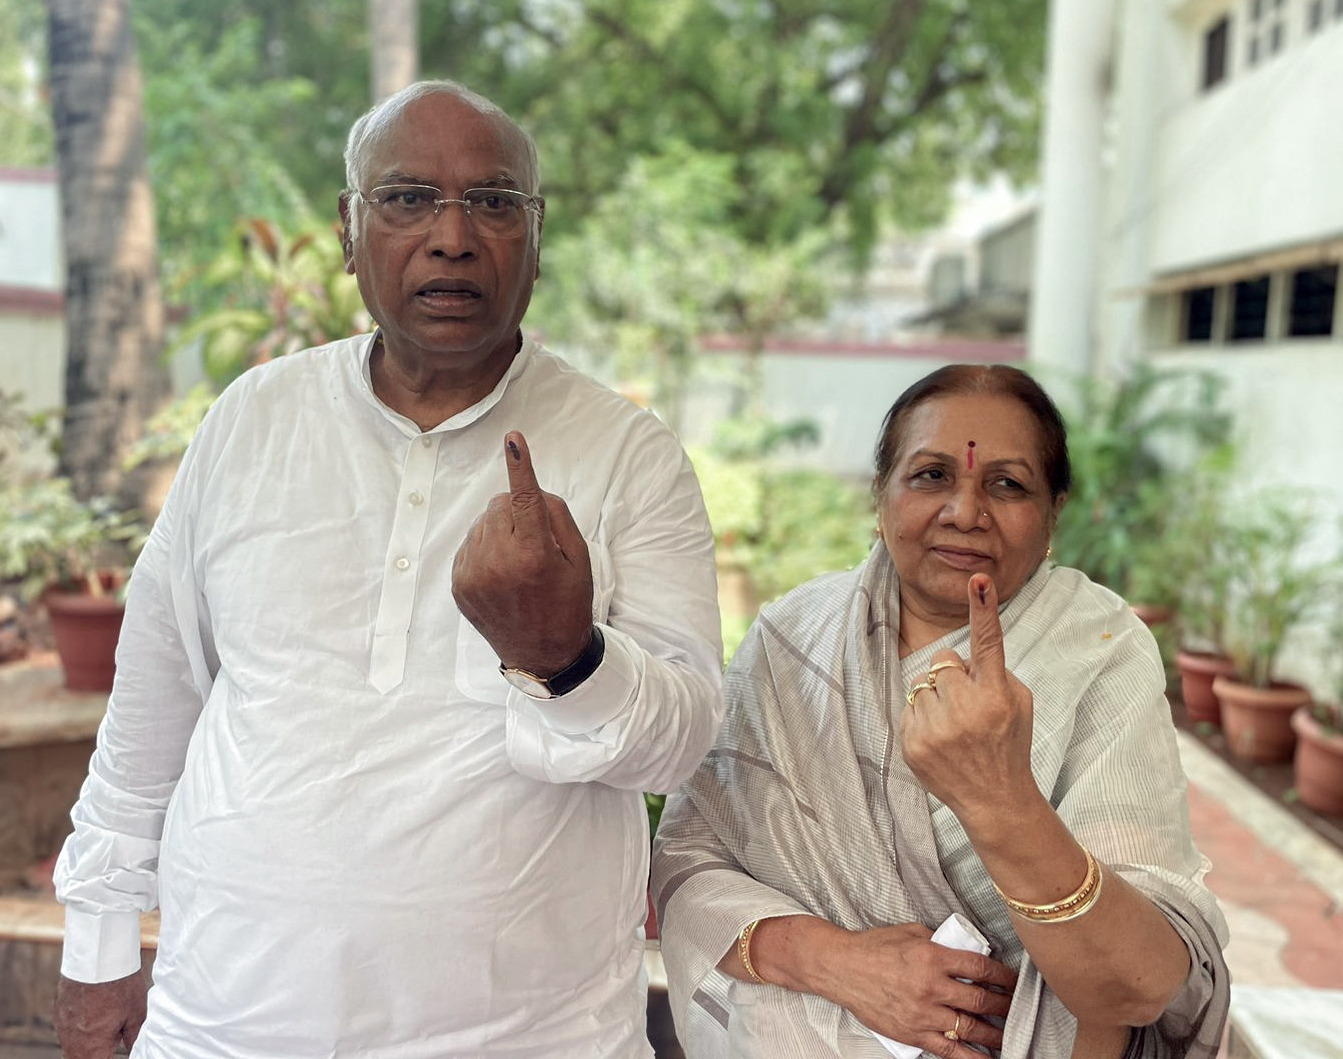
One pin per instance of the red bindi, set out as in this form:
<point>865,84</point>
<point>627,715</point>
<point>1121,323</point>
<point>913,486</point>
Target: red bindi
<point>970,455</point>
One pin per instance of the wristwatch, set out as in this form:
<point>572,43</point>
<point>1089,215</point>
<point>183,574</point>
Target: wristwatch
<point>566,679</point>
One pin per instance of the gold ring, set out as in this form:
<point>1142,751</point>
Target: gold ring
<point>932,673</point>
<point>954,1034</point>
<point>923,685</point>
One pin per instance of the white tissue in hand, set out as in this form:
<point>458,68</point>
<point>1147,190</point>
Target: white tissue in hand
<point>956,932</point>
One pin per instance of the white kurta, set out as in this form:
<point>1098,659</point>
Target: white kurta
<point>361,839</point>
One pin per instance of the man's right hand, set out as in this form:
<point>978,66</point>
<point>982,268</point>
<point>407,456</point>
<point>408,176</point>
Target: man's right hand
<point>93,1018</point>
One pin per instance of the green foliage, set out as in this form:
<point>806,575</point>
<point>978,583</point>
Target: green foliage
<point>1131,444</point>
<point>827,111</point>
<point>1195,556</point>
<point>28,441</point>
<point>214,151</point>
<point>285,293</point>
<point>1329,715</point>
<point>26,137</point>
<point>1333,655</point>
<point>1272,589</point>
<point>48,538</point>
<point>654,803</point>
<point>784,525</point>
<point>655,264</point>
<point>170,430</point>
<point>831,109</point>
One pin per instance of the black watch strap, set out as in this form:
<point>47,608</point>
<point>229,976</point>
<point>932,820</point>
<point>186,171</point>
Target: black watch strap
<point>581,667</point>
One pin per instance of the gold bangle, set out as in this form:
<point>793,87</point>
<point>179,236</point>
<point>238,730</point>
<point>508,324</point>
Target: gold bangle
<point>1070,907</point>
<point>744,950</point>
<point>1081,910</point>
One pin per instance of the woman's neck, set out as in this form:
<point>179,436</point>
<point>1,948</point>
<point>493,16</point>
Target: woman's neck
<point>918,631</point>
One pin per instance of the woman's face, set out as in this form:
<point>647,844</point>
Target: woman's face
<point>967,494</point>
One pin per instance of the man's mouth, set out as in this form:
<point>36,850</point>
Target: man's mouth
<point>449,291</point>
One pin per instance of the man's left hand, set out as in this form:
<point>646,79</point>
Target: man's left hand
<point>523,577</point>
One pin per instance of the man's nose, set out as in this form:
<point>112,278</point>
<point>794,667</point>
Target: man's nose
<point>450,230</point>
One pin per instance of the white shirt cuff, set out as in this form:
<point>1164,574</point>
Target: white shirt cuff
<point>100,947</point>
<point>597,700</point>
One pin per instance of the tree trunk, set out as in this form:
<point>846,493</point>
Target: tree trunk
<point>113,306</point>
<point>394,41</point>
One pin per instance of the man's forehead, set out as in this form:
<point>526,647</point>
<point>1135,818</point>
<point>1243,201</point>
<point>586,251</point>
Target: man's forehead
<point>440,136</point>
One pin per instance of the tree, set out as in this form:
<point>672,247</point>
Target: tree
<point>847,110</point>
<point>833,109</point>
<point>114,314</point>
<point>394,44</point>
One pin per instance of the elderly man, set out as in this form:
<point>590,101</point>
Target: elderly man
<point>387,691</point>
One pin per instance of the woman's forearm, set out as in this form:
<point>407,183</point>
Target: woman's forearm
<point>1121,962</point>
<point>787,951</point>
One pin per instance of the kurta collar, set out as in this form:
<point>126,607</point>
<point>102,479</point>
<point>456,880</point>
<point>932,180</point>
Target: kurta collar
<point>462,419</point>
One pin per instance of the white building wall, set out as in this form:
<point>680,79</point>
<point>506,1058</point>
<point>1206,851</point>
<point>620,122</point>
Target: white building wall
<point>30,224</point>
<point>845,390</point>
<point>1198,178</point>
<point>32,274</point>
<point>1255,163</point>
<point>32,358</point>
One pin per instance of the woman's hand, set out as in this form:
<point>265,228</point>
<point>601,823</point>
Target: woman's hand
<point>899,983</point>
<point>894,980</point>
<point>967,735</point>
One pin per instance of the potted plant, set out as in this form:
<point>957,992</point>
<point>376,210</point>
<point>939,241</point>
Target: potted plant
<point>1272,591</point>
<point>72,555</point>
<point>1319,736</point>
<point>1200,558</point>
<point>1133,442</point>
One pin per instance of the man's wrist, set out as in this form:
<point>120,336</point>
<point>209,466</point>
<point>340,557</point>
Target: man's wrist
<point>568,678</point>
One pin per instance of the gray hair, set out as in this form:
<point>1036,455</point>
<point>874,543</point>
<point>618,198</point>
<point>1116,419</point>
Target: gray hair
<point>372,125</point>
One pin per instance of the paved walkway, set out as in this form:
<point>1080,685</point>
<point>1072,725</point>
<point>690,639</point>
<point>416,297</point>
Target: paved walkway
<point>1279,884</point>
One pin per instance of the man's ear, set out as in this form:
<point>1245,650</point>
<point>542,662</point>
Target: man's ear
<point>540,223</point>
<point>346,237</point>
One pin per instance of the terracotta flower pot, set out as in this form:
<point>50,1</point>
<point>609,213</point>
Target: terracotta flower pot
<point>1319,764</point>
<point>1151,615</point>
<point>86,629</point>
<point>1197,671</point>
<point>1258,721</point>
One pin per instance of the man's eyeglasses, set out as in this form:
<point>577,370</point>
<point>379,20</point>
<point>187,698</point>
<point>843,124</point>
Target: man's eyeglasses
<point>496,213</point>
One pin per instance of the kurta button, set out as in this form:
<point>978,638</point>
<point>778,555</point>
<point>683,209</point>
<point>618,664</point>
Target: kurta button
<point>417,498</point>
<point>403,563</point>
<point>426,442</point>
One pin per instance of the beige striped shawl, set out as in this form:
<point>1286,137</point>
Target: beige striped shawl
<point>806,805</point>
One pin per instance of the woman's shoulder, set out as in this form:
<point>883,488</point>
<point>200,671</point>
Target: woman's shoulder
<point>1079,598</point>
<point>1090,623</point>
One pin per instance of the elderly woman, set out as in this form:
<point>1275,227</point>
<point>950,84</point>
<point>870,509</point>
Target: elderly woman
<point>956,727</point>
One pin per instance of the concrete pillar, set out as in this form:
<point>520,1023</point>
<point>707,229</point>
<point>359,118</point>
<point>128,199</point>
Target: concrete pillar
<point>1063,293</point>
<point>1143,81</point>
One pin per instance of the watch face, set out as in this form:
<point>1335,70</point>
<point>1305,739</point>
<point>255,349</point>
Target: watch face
<point>531,686</point>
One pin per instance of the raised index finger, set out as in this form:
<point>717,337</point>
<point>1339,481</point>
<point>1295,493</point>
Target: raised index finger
<point>986,631</point>
<point>525,500</point>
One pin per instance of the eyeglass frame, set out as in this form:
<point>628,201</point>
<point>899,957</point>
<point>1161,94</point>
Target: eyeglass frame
<point>535,203</point>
